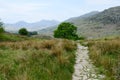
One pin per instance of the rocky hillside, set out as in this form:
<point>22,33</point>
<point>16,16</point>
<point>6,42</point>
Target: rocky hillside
<point>75,20</point>
<point>96,24</point>
<point>108,16</point>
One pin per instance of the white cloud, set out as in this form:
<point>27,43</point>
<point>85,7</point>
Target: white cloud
<point>16,8</point>
<point>34,10</point>
<point>20,11</point>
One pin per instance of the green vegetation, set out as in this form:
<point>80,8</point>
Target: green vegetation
<point>23,31</point>
<point>66,30</point>
<point>1,30</point>
<point>12,37</point>
<point>25,58</point>
<point>37,60</point>
<point>106,56</point>
<point>9,37</point>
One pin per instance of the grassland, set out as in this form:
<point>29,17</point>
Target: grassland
<point>37,59</point>
<point>106,56</point>
<point>11,37</point>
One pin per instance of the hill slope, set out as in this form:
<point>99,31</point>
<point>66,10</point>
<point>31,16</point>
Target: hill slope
<point>97,24</point>
<point>75,19</point>
<point>108,16</point>
<point>102,24</point>
<point>49,31</point>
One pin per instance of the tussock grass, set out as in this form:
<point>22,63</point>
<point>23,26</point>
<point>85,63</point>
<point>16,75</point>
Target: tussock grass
<point>67,45</point>
<point>106,55</point>
<point>37,60</point>
<point>48,44</point>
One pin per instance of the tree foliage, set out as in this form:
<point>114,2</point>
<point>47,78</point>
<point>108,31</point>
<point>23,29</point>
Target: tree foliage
<point>1,27</point>
<point>66,30</point>
<point>23,31</point>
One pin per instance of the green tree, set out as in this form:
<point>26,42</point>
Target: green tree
<point>23,31</point>
<point>66,30</point>
<point>1,27</point>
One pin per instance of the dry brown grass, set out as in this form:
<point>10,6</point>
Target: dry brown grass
<point>105,54</point>
<point>54,45</point>
<point>37,59</point>
<point>48,44</point>
<point>69,45</point>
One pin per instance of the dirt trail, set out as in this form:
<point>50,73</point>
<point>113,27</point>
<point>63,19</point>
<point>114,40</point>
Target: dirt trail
<point>84,70</point>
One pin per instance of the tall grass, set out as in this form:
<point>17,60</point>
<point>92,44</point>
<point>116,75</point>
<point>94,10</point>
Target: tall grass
<point>106,55</point>
<point>37,60</point>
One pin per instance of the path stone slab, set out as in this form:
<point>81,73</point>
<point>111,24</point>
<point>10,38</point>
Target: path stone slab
<point>84,69</point>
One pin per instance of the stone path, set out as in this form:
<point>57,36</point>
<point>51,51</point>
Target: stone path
<point>84,70</point>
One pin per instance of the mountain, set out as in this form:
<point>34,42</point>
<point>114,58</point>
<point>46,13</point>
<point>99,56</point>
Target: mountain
<point>96,24</point>
<point>83,16</point>
<point>31,26</point>
<point>100,25</point>
<point>49,31</point>
<point>108,16</point>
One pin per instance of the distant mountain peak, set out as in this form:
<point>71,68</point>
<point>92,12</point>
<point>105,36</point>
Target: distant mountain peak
<point>21,22</point>
<point>31,26</point>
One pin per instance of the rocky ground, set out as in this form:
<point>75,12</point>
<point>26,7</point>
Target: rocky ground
<point>84,69</point>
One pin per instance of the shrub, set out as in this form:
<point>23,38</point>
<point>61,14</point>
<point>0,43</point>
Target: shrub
<point>2,30</point>
<point>66,30</point>
<point>23,31</point>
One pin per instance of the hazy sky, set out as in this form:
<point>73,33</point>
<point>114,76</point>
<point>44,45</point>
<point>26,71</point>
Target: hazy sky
<point>35,10</point>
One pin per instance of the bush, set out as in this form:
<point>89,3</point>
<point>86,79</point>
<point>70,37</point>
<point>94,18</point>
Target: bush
<point>1,27</point>
<point>66,30</point>
<point>23,31</point>
<point>2,30</point>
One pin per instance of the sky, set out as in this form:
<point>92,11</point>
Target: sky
<point>12,11</point>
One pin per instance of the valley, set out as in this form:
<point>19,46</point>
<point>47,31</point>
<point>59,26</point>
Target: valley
<point>86,47</point>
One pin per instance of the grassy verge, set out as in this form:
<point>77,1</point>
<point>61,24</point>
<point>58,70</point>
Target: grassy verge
<point>11,37</point>
<point>37,60</point>
<point>106,56</point>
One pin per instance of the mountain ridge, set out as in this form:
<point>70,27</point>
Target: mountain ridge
<point>99,25</point>
<point>30,26</point>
